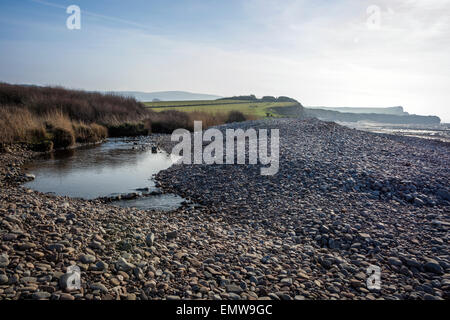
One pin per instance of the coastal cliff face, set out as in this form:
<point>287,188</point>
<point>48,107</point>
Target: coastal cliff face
<point>389,110</point>
<point>330,115</point>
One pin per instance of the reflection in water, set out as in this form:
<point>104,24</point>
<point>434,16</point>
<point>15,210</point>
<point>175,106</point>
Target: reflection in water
<point>111,168</point>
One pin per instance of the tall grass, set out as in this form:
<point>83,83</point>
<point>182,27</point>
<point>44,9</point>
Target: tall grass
<point>20,125</point>
<point>76,104</point>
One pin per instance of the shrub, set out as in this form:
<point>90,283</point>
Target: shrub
<point>43,146</point>
<point>36,134</point>
<point>89,133</point>
<point>83,133</point>
<point>268,99</point>
<point>62,137</point>
<point>235,116</point>
<point>169,120</point>
<point>127,130</point>
<point>100,131</point>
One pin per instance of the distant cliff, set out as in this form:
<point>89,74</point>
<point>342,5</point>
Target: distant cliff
<point>329,115</point>
<point>391,110</point>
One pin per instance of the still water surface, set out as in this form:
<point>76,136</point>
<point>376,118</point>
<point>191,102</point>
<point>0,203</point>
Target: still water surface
<point>117,166</point>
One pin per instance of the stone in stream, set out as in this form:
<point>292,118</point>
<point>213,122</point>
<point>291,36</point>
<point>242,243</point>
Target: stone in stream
<point>30,176</point>
<point>130,196</point>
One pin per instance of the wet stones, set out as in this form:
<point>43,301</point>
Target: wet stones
<point>433,266</point>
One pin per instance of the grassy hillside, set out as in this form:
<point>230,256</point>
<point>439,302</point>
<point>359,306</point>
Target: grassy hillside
<point>249,108</point>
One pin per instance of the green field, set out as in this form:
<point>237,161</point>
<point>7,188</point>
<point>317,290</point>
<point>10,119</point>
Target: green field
<point>257,109</point>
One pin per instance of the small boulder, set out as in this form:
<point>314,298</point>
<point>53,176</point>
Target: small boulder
<point>395,261</point>
<point>443,194</point>
<point>172,235</point>
<point>4,261</point>
<point>41,295</point>
<point>87,258</point>
<point>124,265</point>
<point>433,266</point>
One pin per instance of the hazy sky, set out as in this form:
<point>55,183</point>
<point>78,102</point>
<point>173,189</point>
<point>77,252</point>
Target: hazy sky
<point>322,52</point>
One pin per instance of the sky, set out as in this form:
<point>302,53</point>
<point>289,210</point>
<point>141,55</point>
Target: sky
<point>335,53</point>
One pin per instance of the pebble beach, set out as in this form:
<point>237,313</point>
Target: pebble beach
<point>342,200</point>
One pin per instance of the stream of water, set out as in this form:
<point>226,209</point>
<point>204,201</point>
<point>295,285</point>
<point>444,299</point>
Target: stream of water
<point>118,166</point>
